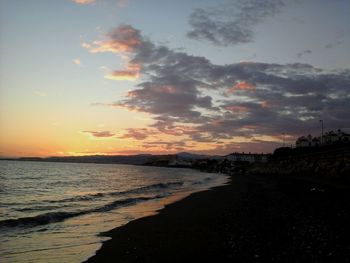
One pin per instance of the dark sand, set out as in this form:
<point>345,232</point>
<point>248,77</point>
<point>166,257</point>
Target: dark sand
<point>254,219</point>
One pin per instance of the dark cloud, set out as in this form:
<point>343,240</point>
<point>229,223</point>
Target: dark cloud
<point>170,146</point>
<point>169,96</point>
<point>337,39</point>
<point>334,44</point>
<point>124,38</point>
<point>304,52</point>
<point>100,134</point>
<point>233,23</point>
<point>189,96</point>
<point>138,133</point>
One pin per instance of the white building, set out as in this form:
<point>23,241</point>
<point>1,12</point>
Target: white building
<point>334,137</point>
<point>308,141</point>
<point>246,157</point>
<point>302,142</point>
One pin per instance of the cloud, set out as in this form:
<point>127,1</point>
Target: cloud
<point>237,109</point>
<point>100,134</point>
<point>77,62</point>
<point>337,40</point>
<point>241,85</point>
<point>138,133</point>
<point>334,44</point>
<point>167,145</point>
<point>232,23</point>
<point>167,96</point>
<point>132,72</point>
<point>122,39</point>
<point>84,2</point>
<point>123,75</point>
<point>123,3</point>
<point>304,52</point>
<point>209,104</point>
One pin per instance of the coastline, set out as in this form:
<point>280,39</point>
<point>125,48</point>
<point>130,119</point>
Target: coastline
<point>253,218</point>
<point>79,236</point>
<point>154,207</point>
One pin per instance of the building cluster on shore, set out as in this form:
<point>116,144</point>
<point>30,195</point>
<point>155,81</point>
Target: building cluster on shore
<point>328,138</point>
<point>247,157</point>
<point>233,162</point>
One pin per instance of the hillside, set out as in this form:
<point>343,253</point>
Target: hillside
<point>327,163</point>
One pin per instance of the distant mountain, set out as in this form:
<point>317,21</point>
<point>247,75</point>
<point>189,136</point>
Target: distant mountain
<point>193,156</point>
<point>140,159</point>
<point>187,155</point>
<point>118,159</point>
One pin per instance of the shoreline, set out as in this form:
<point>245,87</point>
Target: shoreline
<point>253,218</point>
<point>83,237</point>
<point>154,207</point>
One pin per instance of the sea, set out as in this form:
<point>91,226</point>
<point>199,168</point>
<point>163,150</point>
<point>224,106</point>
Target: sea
<point>57,212</point>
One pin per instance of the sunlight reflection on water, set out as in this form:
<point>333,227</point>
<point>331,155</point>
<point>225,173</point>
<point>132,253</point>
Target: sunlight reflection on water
<point>103,202</point>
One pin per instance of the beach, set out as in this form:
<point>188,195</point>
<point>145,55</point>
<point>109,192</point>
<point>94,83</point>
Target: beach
<point>252,219</point>
<point>54,212</point>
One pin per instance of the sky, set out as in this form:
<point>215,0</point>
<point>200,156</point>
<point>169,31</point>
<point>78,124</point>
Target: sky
<point>85,77</point>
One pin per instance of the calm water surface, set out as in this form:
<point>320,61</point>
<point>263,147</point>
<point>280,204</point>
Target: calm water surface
<point>54,212</point>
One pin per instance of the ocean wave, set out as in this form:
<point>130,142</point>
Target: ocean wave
<point>54,217</point>
<point>40,208</point>
<point>153,187</point>
<point>140,190</point>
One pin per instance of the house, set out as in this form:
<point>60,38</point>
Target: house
<point>316,141</point>
<point>344,137</point>
<point>302,142</point>
<point>308,141</point>
<point>332,137</point>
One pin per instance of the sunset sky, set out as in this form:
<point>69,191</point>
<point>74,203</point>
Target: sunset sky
<point>83,77</point>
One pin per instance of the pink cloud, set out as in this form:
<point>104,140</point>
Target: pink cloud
<point>239,109</point>
<point>84,2</point>
<point>265,104</point>
<point>138,133</point>
<point>242,85</point>
<point>122,39</point>
<point>100,134</point>
<point>77,62</point>
<point>132,72</point>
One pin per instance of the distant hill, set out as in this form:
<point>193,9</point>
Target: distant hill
<point>182,159</point>
<point>140,159</point>
<point>326,162</point>
<point>193,156</point>
<point>117,159</point>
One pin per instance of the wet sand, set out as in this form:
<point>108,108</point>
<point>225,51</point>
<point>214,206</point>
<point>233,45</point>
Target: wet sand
<point>253,219</point>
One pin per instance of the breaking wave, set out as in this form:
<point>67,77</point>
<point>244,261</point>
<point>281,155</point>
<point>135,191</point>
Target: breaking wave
<point>53,217</point>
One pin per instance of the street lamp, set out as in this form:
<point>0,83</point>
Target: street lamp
<point>322,132</point>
